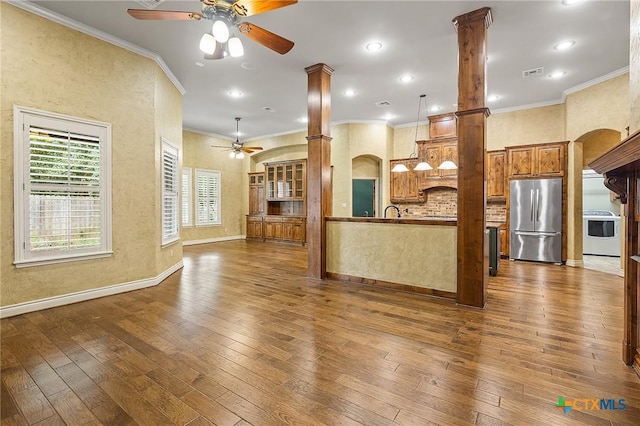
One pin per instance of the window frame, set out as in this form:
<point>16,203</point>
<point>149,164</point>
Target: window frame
<point>210,173</point>
<point>186,177</point>
<point>168,147</point>
<point>23,119</point>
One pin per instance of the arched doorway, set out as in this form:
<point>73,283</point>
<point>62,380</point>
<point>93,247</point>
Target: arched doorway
<point>365,186</point>
<point>583,151</point>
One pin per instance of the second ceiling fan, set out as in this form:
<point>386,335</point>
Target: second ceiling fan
<point>225,16</point>
<point>237,148</point>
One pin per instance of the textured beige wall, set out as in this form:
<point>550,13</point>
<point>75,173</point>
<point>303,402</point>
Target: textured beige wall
<point>417,255</point>
<point>53,68</point>
<point>634,67</point>
<point>168,125</point>
<point>404,139</point>
<point>602,106</point>
<point>365,166</point>
<point>198,154</point>
<point>523,127</point>
<point>341,170</point>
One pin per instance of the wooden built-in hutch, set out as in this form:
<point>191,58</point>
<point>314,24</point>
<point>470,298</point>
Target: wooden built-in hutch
<point>277,202</point>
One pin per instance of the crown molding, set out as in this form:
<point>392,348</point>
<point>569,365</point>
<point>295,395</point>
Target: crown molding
<point>203,133</point>
<point>93,32</point>
<point>597,80</point>
<point>528,106</point>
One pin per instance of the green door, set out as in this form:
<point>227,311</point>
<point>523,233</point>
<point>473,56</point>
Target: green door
<point>363,197</point>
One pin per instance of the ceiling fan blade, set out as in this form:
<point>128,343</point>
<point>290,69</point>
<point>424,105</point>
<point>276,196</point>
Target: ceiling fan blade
<point>266,38</point>
<point>221,146</point>
<point>218,53</point>
<point>250,149</point>
<point>254,7</point>
<point>169,15</point>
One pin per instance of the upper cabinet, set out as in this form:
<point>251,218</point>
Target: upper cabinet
<point>286,187</point>
<point>496,176</point>
<point>434,152</point>
<point>286,180</point>
<point>544,160</point>
<point>442,126</point>
<point>404,185</point>
<point>256,194</point>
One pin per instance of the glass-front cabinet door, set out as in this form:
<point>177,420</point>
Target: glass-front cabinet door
<point>299,180</point>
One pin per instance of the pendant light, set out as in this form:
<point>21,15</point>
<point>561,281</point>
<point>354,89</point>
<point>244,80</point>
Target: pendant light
<point>447,165</point>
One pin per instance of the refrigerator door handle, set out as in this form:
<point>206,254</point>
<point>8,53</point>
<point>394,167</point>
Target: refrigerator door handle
<point>536,233</point>
<point>537,205</point>
<point>531,212</point>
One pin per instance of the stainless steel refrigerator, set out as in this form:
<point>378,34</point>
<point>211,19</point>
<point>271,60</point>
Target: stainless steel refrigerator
<point>536,220</point>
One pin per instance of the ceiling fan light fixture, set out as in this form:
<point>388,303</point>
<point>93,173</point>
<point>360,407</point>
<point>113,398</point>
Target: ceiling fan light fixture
<point>240,155</point>
<point>220,31</point>
<point>208,44</point>
<point>235,47</point>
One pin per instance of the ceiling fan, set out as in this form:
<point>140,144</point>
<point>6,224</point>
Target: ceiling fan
<point>237,148</point>
<point>227,14</point>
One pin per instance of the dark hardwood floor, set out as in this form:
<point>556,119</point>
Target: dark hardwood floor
<point>241,336</point>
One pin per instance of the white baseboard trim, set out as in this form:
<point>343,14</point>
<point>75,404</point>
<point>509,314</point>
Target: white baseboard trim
<point>81,296</point>
<point>575,263</point>
<point>214,240</point>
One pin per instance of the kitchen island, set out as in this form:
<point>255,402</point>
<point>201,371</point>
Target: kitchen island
<point>409,254</point>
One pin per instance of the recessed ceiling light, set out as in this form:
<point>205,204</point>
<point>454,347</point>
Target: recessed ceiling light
<point>268,109</point>
<point>349,92</point>
<point>235,93</point>
<point>199,64</point>
<point>303,120</point>
<point>564,45</point>
<point>389,116</point>
<point>373,46</point>
<point>557,74</point>
<point>406,78</point>
<point>434,108</point>
<point>247,66</point>
<point>493,98</point>
<point>570,2</point>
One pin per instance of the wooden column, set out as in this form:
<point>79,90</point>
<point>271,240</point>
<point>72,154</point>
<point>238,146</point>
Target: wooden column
<point>473,267</point>
<point>318,166</point>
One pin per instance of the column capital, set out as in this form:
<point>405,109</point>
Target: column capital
<point>483,14</point>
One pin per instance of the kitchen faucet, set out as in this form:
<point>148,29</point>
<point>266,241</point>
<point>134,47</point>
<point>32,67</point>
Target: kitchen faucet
<point>391,207</point>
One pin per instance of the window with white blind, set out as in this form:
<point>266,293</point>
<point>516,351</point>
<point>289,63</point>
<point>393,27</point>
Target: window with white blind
<point>186,197</point>
<point>62,188</point>
<point>169,192</point>
<point>208,197</point>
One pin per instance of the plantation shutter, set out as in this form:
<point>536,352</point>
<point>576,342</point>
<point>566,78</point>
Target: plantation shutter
<point>208,192</point>
<point>169,193</point>
<point>186,196</point>
<point>64,191</point>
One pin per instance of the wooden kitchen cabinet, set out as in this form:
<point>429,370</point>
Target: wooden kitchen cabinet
<point>496,177</point>
<point>255,227</point>
<point>442,126</point>
<point>504,241</point>
<point>277,202</point>
<point>404,185</point>
<point>285,229</point>
<point>256,194</point>
<point>543,160</point>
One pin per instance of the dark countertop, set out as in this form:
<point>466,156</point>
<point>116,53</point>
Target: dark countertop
<point>402,220</point>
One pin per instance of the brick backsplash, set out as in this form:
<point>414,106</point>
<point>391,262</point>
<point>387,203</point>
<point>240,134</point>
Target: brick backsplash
<point>444,202</point>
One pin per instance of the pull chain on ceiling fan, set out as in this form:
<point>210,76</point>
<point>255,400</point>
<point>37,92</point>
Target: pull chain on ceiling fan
<point>237,148</point>
<point>227,15</point>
